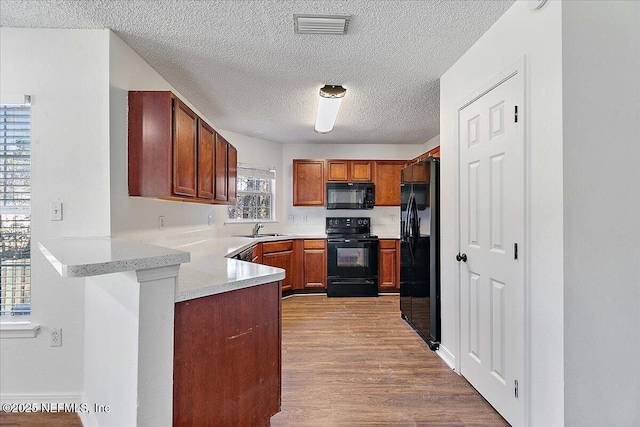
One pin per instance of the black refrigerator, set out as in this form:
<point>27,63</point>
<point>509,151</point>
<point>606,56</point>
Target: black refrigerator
<point>420,249</point>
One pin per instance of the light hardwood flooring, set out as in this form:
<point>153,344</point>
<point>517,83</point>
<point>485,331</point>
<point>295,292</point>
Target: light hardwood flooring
<point>355,362</point>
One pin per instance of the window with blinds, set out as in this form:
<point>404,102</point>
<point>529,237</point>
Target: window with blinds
<point>256,196</point>
<point>15,210</point>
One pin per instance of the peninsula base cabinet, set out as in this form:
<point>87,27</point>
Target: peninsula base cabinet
<point>227,358</point>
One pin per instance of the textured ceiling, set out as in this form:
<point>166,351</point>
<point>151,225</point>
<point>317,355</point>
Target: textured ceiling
<point>240,63</point>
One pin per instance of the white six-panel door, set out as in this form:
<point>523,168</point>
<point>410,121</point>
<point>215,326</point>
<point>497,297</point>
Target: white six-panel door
<point>491,150</point>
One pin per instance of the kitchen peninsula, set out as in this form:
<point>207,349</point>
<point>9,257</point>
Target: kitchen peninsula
<point>210,339</point>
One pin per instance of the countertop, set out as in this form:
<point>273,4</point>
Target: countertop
<point>207,267</point>
<point>83,257</point>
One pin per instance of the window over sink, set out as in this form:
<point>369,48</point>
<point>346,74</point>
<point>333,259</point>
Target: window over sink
<point>256,194</point>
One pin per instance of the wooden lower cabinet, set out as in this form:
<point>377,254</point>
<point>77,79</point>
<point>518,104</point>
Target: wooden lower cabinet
<point>227,358</point>
<point>280,254</point>
<point>389,265</point>
<point>314,262</point>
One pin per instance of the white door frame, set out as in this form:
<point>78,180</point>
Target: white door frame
<point>519,67</point>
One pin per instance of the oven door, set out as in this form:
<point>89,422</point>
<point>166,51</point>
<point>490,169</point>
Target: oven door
<point>352,258</point>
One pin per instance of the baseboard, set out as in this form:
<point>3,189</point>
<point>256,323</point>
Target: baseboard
<point>46,399</point>
<point>52,402</point>
<point>446,355</point>
<point>88,418</point>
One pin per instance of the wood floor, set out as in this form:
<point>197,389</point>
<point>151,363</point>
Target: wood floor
<point>355,362</point>
<point>39,419</point>
<point>352,362</point>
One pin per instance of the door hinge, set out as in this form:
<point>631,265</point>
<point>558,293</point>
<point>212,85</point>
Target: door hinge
<point>515,116</point>
<point>515,388</point>
<point>515,251</point>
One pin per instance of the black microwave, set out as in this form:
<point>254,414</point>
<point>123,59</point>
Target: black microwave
<point>350,195</point>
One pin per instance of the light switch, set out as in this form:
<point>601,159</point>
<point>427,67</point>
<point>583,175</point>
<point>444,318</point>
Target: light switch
<point>56,211</point>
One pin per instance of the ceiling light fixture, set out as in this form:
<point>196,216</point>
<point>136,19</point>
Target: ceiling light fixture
<point>328,106</point>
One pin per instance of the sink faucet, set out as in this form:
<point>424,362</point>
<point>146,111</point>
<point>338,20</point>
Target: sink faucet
<point>257,227</point>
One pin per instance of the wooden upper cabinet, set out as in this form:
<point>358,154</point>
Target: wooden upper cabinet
<point>434,152</point>
<point>349,170</point>
<point>308,182</point>
<point>221,175</point>
<point>150,153</point>
<point>206,141</point>
<point>337,170</point>
<point>386,178</point>
<point>172,153</point>
<point>232,176</point>
<point>185,143</point>
<point>360,170</point>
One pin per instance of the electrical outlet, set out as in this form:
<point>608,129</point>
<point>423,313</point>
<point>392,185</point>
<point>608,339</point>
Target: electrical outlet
<point>56,211</point>
<point>161,222</point>
<point>56,337</point>
<point>304,218</point>
<point>393,218</point>
<point>290,218</point>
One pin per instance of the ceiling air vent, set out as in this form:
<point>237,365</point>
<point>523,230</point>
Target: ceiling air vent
<point>320,24</point>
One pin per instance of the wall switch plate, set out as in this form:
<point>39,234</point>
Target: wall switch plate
<point>161,222</point>
<point>209,220</point>
<point>56,211</point>
<point>290,218</point>
<point>56,337</point>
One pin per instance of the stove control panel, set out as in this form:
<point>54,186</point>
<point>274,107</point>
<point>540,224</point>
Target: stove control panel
<point>342,225</point>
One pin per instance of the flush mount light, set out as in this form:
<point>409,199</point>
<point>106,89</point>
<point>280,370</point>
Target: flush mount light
<point>328,106</point>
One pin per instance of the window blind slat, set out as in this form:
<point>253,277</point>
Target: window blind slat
<point>15,210</point>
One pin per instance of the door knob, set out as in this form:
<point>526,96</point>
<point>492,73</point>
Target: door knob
<point>461,257</point>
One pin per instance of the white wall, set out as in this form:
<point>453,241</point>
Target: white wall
<point>431,144</point>
<point>601,142</point>
<point>128,71</point>
<point>537,35</point>
<point>261,152</point>
<point>384,220</point>
<point>66,72</point>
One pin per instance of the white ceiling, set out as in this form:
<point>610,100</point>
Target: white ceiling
<point>240,63</point>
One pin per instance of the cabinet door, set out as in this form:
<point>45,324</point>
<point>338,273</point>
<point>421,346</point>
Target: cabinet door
<point>315,264</point>
<point>232,176</point>
<point>388,273</point>
<point>206,140</point>
<point>282,260</point>
<point>337,170</point>
<point>185,133</point>
<point>387,182</point>
<point>308,182</point>
<point>221,165</point>
<point>360,170</point>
